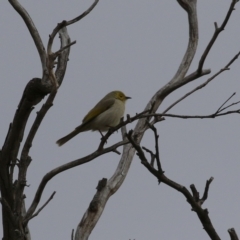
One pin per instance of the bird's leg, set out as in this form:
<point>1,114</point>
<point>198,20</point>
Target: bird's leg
<point>103,137</point>
<point>101,133</point>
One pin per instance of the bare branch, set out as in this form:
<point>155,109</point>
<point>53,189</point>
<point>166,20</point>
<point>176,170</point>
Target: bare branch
<point>200,71</point>
<point>33,31</point>
<point>160,116</point>
<point>66,23</point>
<point>192,200</point>
<point>63,168</point>
<point>205,83</point>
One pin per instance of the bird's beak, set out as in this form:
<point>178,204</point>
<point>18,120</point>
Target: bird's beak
<point>128,98</point>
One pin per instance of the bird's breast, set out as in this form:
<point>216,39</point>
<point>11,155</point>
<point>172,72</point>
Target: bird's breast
<point>110,118</point>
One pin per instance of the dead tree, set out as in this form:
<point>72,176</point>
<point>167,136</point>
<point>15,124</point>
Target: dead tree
<point>14,214</point>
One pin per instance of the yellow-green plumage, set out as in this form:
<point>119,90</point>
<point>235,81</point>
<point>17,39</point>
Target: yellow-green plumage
<point>107,113</point>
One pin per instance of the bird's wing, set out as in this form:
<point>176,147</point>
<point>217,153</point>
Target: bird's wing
<point>101,107</point>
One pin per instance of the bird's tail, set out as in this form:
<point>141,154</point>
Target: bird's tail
<point>63,140</point>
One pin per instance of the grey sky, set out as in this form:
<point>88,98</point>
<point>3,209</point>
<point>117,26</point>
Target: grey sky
<point>134,46</point>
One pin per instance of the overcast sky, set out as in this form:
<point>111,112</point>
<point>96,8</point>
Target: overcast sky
<point>135,46</point>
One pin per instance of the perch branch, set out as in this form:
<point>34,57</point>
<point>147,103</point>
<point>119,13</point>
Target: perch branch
<point>120,125</point>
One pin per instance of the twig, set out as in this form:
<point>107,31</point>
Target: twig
<point>140,152</point>
<point>230,105</point>
<point>233,234</point>
<point>41,208</point>
<point>72,235</point>
<point>205,194</point>
<point>84,14</point>
<point>64,48</point>
<point>214,115</point>
<point>116,151</point>
<point>157,154</point>
<point>195,193</point>
<point>219,109</point>
<point>153,156</point>
<point>218,30</point>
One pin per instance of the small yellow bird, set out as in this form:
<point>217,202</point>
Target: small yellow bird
<point>107,113</point>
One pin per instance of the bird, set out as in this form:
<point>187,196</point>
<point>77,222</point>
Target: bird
<point>107,113</point>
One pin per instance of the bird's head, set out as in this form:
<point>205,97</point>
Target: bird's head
<point>120,96</point>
